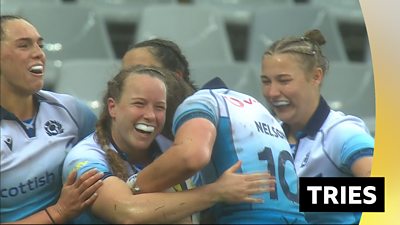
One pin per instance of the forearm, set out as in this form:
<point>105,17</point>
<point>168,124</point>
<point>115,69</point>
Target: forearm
<point>362,167</point>
<point>190,152</point>
<point>154,207</point>
<point>171,168</point>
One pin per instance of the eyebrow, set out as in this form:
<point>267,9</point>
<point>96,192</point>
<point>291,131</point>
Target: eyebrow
<point>29,39</point>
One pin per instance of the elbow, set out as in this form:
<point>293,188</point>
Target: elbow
<point>196,162</point>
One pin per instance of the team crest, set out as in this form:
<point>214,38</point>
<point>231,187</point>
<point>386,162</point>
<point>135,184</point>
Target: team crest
<point>53,127</point>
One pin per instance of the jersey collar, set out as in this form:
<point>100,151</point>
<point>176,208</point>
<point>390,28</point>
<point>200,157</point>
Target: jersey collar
<point>214,83</point>
<point>316,121</point>
<point>153,151</point>
<point>6,115</point>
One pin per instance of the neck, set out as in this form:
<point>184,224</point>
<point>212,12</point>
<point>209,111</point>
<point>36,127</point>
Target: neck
<point>302,123</point>
<point>133,155</point>
<point>22,106</point>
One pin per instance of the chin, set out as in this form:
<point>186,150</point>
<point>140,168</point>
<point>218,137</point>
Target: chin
<point>283,116</point>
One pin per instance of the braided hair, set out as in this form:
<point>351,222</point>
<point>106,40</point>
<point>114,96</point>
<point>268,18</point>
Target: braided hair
<point>306,48</point>
<point>103,126</point>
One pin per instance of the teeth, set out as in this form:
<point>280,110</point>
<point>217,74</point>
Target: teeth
<point>37,69</point>
<point>280,103</point>
<point>144,127</point>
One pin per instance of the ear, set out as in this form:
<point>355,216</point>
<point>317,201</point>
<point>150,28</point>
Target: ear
<point>112,105</point>
<point>179,74</point>
<point>318,76</point>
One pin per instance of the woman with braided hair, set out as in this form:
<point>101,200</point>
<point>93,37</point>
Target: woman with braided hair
<point>132,116</point>
<point>324,142</point>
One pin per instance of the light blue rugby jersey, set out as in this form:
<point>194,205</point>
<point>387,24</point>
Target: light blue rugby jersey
<point>246,131</point>
<point>88,154</point>
<point>328,146</point>
<point>31,163</point>
<point>85,156</point>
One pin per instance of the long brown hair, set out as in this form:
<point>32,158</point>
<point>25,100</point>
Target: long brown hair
<point>103,127</point>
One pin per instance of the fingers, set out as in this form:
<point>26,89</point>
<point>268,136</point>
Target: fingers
<point>71,178</point>
<point>258,176</point>
<point>88,178</point>
<point>91,190</point>
<point>234,167</point>
<point>90,200</point>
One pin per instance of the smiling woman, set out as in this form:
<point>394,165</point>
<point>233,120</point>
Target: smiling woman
<point>37,127</point>
<point>133,114</point>
<point>324,142</point>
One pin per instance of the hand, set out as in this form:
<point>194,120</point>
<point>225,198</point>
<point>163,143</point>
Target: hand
<point>78,194</point>
<point>238,188</point>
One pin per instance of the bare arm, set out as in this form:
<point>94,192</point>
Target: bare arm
<point>75,196</point>
<point>362,167</point>
<point>190,152</point>
<point>116,204</point>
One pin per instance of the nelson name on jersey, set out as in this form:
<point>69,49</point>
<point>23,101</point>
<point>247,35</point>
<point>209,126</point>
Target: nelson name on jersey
<point>269,130</point>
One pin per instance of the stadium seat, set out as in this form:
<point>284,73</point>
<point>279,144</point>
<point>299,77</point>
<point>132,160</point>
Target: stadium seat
<point>121,10</point>
<point>272,23</point>
<point>87,79</point>
<point>69,31</point>
<point>348,11</point>
<point>198,30</point>
<point>240,11</point>
<point>349,87</point>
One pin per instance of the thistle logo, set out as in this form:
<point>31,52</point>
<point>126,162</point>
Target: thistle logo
<point>53,127</point>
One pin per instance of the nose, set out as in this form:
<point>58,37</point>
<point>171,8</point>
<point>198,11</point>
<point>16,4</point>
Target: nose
<point>149,113</point>
<point>271,90</point>
<point>38,52</point>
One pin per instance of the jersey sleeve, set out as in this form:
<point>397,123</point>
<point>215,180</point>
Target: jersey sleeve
<point>84,158</point>
<point>202,104</point>
<point>353,141</point>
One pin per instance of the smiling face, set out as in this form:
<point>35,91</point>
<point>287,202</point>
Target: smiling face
<point>291,91</point>
<point>22,58</point>
<point>139,115</point>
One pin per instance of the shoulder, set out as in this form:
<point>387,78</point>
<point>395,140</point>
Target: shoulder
<point>88,147</point>
<point>56,98</point>
<point>338,122</point>
<point>85,155</point>
<point>340,130</point>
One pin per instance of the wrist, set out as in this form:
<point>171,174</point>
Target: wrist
<point>55,214</point>
<point>131,182</point>
<point>213,191</point>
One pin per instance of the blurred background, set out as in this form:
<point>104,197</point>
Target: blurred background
<point>85,40</point>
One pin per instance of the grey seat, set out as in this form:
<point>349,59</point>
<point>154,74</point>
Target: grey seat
<point>69,31</point>
<point>348,11</point>
<point>237,76</point>
<point>349,87</point>
<point>272,23</point>
<point>87,79</point>
<point>240,11</point>
<point>198,30</point>
<point>121,10</point>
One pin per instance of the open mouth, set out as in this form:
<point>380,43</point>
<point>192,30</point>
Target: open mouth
<point>280,103</point>
<point>144,128</point>
<point>37,69</point>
